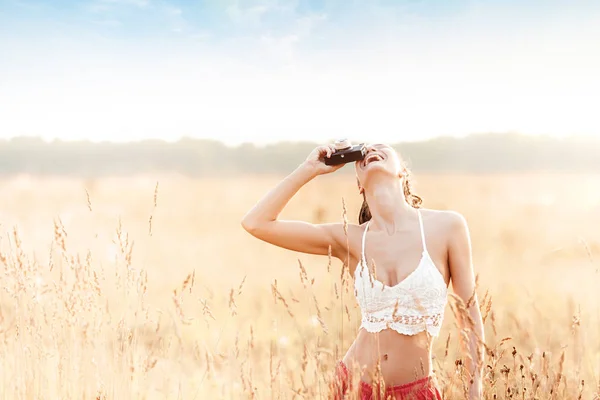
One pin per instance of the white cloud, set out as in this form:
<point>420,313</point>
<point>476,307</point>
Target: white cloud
<point>280,48</point>
<point>176,21</point>
<point>306,24</point>
<point>247,15</point>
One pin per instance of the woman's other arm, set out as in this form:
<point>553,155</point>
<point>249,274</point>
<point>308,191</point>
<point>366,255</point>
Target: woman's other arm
<point>463,283</point>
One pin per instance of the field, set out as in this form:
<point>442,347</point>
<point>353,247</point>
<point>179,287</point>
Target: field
<point>148,288</point>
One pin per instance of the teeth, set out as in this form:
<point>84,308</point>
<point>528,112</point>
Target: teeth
<point>373,157</point>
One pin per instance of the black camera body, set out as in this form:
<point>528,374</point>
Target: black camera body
<point>346,153</point>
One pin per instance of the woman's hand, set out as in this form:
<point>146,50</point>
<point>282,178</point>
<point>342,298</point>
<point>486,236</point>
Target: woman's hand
<point>315,162</point>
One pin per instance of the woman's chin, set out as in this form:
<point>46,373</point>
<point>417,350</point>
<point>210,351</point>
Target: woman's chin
<point>376,166</point>
<point>378,170</point>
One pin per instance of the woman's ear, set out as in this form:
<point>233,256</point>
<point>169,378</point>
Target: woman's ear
<point>403,171</point>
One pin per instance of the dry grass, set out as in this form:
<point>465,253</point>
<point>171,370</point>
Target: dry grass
<point>122,289</point>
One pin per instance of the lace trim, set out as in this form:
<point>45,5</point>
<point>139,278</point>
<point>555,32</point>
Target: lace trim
<point>405,325</point>
<point>429,320</point>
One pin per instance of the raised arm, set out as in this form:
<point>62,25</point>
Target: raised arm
<point>263,223</point>
<point>463,283</point>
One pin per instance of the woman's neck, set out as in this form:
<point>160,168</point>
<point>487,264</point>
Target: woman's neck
<point>387,205</point>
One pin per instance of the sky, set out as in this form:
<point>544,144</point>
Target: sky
<point>271,70</point>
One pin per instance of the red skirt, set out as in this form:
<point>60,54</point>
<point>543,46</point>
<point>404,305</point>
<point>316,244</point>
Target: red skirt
<point>422,389</point>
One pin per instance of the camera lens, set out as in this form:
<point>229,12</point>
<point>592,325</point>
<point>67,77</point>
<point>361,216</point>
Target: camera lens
<point>342,144</point>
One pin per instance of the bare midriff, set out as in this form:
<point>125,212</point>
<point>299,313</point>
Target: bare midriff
<point>402,358</point>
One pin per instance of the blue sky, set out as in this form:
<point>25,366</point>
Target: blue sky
<point>269,70</point>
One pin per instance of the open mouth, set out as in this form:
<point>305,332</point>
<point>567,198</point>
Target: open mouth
<point>371,158</point>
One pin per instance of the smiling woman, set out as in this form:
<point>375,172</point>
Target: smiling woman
<point>403,259</point>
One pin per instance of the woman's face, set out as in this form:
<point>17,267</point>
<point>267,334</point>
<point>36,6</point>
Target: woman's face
<point>381,158</point>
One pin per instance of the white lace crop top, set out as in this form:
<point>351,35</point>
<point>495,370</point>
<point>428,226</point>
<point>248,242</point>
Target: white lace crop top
<point>413,305</point>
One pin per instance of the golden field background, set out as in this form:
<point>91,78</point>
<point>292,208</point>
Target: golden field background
<point>148,288</point>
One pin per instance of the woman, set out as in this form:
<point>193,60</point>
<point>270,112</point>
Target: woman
<point>402,259</point>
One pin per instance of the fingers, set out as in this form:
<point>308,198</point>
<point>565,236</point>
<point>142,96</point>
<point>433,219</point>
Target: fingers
<point>326,151</point>
<point>329,152</point>
<point>329,149</point>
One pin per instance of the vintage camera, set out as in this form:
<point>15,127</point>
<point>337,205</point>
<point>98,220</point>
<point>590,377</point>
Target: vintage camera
<point>345,152</point>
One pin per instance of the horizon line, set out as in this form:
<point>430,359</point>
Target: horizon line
<point>569,137</point>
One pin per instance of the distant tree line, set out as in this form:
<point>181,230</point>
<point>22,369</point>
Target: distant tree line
<point>481,153</point>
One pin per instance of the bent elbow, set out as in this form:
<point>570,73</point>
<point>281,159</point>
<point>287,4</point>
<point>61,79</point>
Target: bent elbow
<point>248,225</point>
<point>256,227</point>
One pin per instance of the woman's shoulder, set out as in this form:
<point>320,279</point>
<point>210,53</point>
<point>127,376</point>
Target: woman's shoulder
<point>449,219</point>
